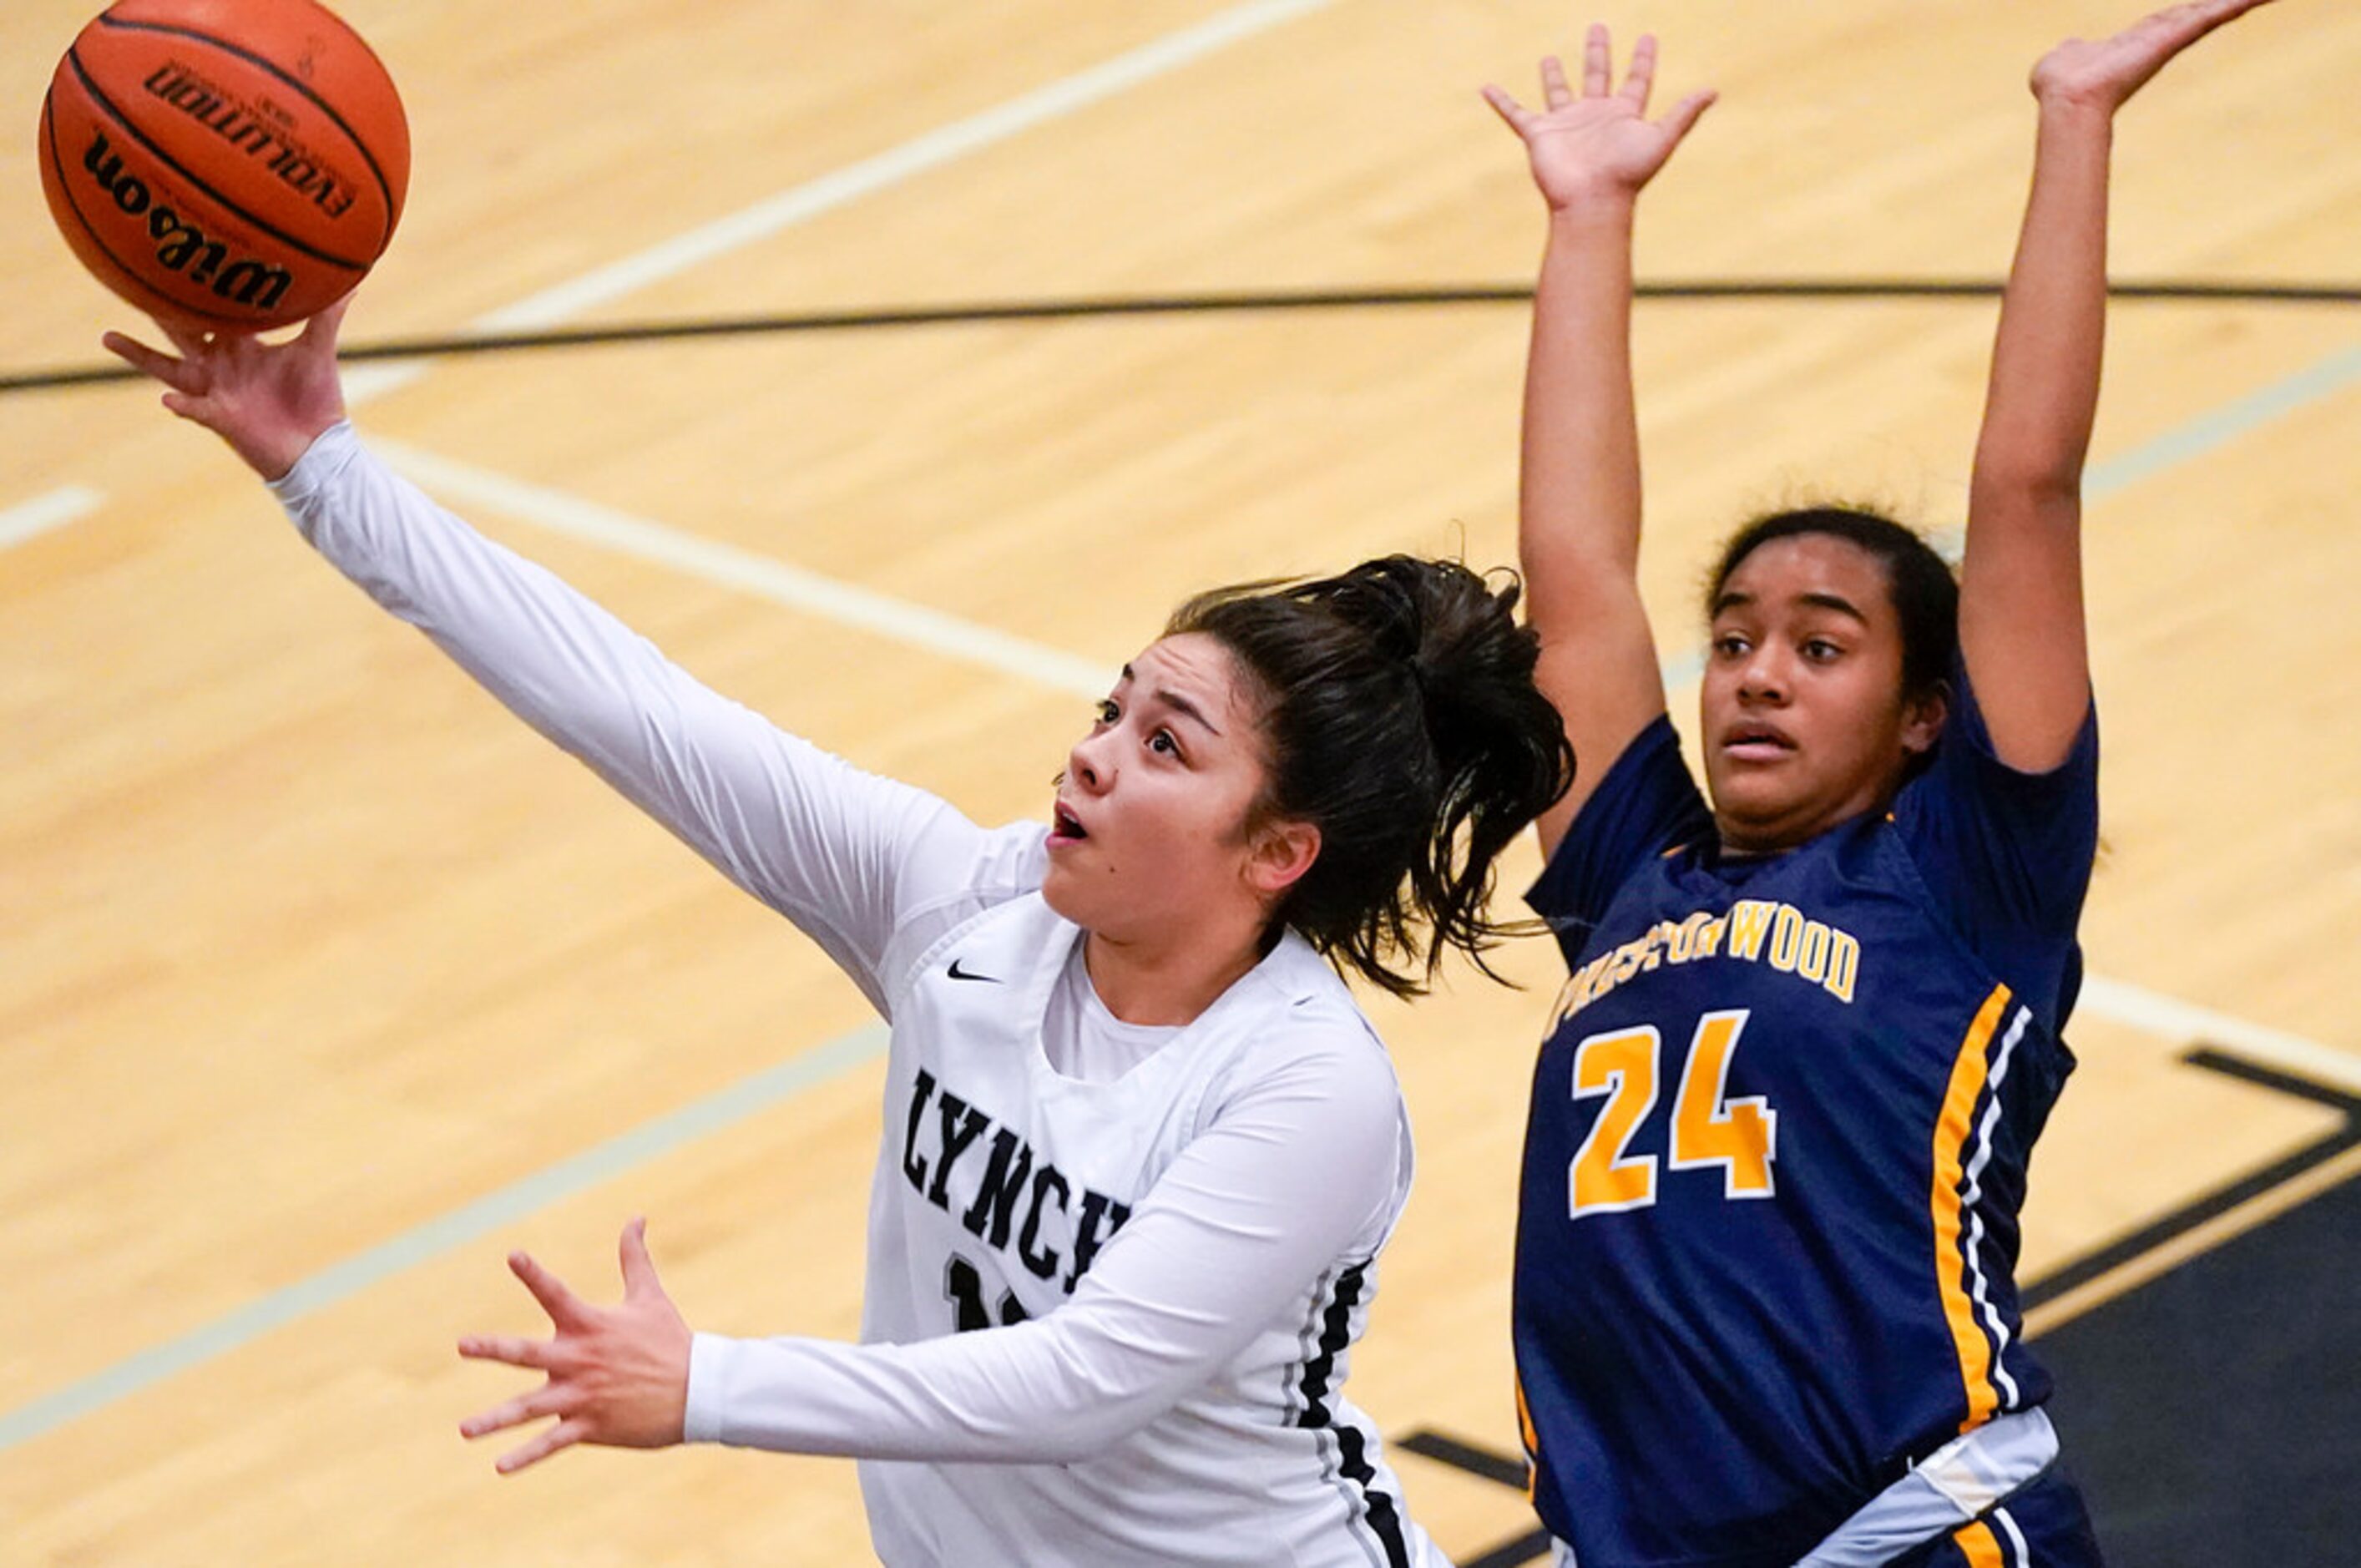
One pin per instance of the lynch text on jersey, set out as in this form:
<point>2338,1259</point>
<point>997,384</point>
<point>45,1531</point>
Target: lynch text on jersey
<point>997,1181</point>
<point>1756,930</point>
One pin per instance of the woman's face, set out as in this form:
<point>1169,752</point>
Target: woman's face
<point>1804,724</point>
<point>1150,839</point>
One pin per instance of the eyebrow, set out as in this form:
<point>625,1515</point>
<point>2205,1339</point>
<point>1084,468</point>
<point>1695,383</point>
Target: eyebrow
<point>1178,703</point>
<point>1836,602</point>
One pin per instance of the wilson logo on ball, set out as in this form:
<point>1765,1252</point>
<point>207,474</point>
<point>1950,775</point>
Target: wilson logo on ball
<point>181,247</point>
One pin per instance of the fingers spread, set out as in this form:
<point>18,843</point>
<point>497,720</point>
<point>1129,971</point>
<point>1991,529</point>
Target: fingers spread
<point>1642,77</point>
<point>1556,93</point>
<point>177,374</point>
<point>639,1269</point>
<point>564,1434</point>
<point>1507,108</point>
<point>190,342</point>
<point>560,1303</point>
<point>1596,62</point>
<point>537,1354</point>
<point>1686,114</point>
<point>324,327</point>
<point>546,1401</point>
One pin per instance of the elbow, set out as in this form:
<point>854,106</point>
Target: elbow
<point>2050,488</point>
<point>1075,1446</point>
<point>1113,1397</point>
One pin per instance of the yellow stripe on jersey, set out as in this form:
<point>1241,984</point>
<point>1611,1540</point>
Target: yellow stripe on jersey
<point>1978,1545</point>
<point>1532,1440</point>
<point>1950,1262</point>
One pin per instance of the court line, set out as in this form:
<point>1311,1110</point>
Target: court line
<point>921,154</point>
<point>2157,1013</point>
<point>403,351</point>
<point>2130,1259</point>
<point>946,144</point>
<point>30,520</point>
<point>2211,431</point>
<point>714,1113</point>
<point>2260,1209</point>
<point>337,1283</point>
<point>759,576</point>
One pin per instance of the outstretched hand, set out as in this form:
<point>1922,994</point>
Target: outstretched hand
<point>269,401</point>
<point>618,1376</point>
<point>1601,143</point>
<point>2103,75</point>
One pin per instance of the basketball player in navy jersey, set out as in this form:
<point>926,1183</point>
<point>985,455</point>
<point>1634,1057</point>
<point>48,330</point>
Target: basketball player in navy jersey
<point>1766,1311</point>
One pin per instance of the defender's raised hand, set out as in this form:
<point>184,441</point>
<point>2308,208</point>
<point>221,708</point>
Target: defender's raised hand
<point>1599,143</point>
<point>2104,74</point>
<point>269,401</point>
<point>618,1376</point>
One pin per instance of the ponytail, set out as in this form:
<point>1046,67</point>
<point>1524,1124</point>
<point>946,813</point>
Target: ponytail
<point>1401,720</point>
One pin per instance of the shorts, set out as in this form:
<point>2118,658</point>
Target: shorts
<point>2042,1524</point>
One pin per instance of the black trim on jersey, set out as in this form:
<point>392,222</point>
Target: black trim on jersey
<point>1336,1332</point>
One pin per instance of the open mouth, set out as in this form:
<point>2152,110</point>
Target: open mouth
<point>1756,743</point>
<point>1066,825</point>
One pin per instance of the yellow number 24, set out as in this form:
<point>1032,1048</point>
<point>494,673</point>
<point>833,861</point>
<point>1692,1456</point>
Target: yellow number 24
<point>1741,1137</point>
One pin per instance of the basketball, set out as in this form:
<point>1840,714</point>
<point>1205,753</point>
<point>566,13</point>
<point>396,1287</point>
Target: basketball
<point>229,165</point>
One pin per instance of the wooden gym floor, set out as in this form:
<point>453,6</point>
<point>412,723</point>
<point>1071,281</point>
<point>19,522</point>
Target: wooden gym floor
<point>322,983</point>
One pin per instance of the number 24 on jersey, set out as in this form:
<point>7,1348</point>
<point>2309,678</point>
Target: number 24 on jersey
<point>1739,1136</point>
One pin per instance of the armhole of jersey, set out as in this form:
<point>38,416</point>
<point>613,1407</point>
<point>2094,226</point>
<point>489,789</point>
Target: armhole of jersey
<point>1006,868</point>
<point>1966,1132</point>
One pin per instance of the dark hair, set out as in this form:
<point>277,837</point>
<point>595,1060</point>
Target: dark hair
<point>1925,596</point>
<point>1401,718</point>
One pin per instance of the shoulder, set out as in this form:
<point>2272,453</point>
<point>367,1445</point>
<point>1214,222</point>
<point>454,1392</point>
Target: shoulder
<point>1966,761</point>
<point>1969,817</point>
<point>1300,1034</point>
<point>1647,802</point>
<point>963,875</point>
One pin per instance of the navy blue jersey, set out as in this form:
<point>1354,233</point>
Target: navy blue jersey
<point>1767,1244</point>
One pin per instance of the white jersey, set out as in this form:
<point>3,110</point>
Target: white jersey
<point>1160,1241</point>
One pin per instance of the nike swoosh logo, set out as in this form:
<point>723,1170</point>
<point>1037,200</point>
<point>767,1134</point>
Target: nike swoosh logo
<point>959,973</point>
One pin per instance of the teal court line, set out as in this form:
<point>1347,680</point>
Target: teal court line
<point>775,1086</point>
<point>2183,444</point>
<point>715,1113</point>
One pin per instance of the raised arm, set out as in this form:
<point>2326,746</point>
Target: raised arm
<point>1578,509</point>
<point>837,850</point>
<point>2021,621</point>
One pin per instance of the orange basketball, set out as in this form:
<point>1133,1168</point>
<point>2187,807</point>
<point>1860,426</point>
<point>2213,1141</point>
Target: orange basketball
<point>234,165</point>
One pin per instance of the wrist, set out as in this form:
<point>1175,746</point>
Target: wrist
<point>275,454</point>
<point>2069,111</point>
<point>1608,208</point>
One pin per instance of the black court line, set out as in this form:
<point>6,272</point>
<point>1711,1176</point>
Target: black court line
<point>1213,304</point>
<point>2187,1218</point>
<point>1509,1470</point>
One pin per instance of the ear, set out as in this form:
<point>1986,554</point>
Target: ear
<point>1278,857</point>
<point>1922,720</point>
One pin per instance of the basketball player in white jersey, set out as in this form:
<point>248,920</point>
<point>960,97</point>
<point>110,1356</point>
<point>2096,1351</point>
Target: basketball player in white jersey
<point>1140,1148</point>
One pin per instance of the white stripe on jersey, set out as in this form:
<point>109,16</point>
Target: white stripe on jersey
<point>1975,1195</point>
<point>2015,1538</point>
